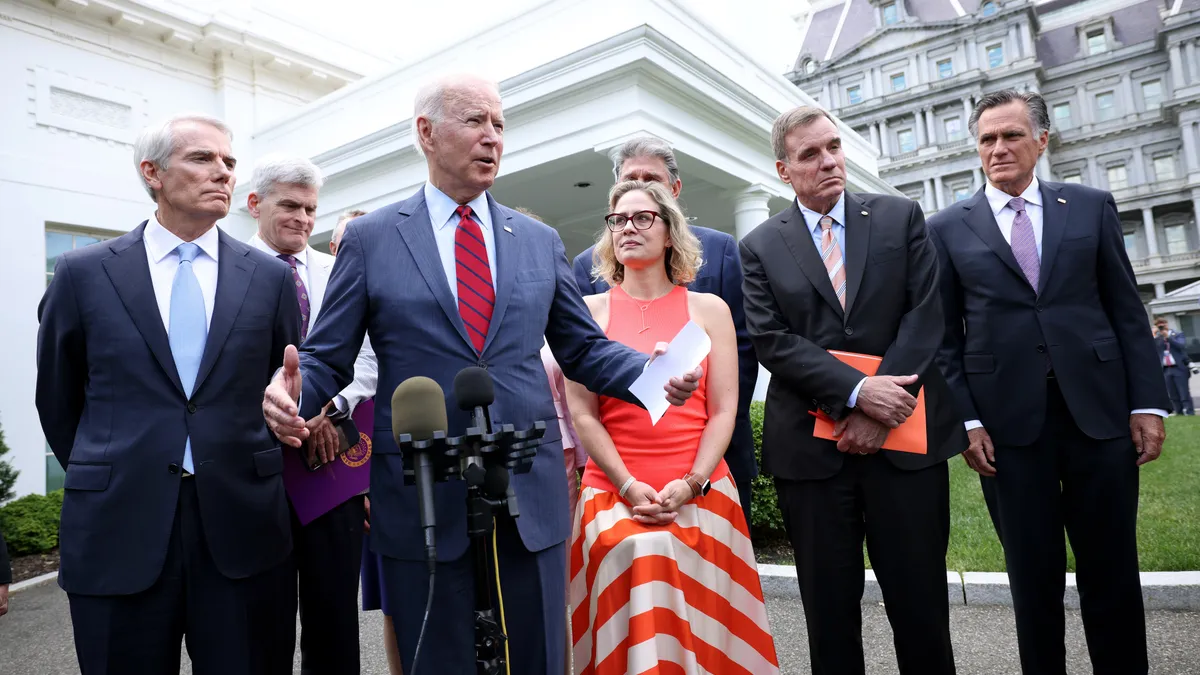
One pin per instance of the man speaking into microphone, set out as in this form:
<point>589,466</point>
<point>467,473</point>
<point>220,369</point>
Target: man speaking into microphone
<point>444,280</point>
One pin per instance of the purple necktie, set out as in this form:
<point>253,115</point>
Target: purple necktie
<point>1024,245</point>
<point>301,294</point>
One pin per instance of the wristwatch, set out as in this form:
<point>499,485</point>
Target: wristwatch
<point>700,485</point>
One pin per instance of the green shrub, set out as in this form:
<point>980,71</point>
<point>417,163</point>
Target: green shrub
<point>30,524</point>
<point>8,475</point>
<point>765,518</point>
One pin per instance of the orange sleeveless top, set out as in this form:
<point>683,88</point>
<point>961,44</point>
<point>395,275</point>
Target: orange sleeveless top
<point>654,454</point>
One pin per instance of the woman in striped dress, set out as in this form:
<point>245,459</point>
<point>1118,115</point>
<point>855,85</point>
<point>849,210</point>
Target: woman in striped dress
<point>663,578</point>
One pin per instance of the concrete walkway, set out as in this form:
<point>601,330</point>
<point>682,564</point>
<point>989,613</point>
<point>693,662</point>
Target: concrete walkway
<point>35,639</point>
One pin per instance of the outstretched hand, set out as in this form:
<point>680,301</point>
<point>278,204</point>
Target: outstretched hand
<point>679,389</point>
<point>280,401</point>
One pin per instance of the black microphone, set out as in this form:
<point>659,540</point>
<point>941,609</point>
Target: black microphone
<point>419,410</point>
<point>474,392</point>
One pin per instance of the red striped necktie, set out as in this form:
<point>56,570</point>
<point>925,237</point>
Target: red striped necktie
<point>476,295</point>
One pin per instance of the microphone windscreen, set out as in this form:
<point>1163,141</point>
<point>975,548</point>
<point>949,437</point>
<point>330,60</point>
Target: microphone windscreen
<point>473,388</point>
<point>418,409</point>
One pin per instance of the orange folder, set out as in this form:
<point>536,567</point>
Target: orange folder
<point>908,437</point>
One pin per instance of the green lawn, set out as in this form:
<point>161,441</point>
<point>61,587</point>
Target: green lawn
<point>1168,515</point>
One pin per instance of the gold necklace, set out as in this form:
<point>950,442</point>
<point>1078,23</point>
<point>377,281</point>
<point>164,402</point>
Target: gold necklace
<point>644,305</point>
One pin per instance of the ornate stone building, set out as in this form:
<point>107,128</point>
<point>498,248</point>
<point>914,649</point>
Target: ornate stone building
<point>1121,77</point>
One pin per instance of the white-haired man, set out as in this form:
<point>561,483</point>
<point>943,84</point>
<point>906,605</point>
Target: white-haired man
<point>449,279</point>
<point>328,550</point>
<point>152,353</point>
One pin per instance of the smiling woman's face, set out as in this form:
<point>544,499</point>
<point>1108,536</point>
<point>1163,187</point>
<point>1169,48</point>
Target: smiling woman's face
<point>638,249</point>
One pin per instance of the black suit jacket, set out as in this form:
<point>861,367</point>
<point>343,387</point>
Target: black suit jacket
<point>721,275</point>
<point>115,414</point>
<point>1085,319</point>
<point>892,311</point>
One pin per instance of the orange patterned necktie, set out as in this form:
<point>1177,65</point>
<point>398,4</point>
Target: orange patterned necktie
<point>831,255</point>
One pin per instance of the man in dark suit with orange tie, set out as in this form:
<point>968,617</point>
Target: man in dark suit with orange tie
<point>853,272</point>
<point>1056,378</point>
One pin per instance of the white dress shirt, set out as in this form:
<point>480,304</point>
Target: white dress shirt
<point>813,220</point>
<point>445,223</point>
<point>164,261</point>
<point>1005,215</point>
<point>301,260</point>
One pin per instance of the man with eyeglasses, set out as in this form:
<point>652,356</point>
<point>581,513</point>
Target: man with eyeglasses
<point>652,160</point>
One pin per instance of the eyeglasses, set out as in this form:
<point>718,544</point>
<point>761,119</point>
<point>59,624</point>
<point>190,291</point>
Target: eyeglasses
<point>642,220</point>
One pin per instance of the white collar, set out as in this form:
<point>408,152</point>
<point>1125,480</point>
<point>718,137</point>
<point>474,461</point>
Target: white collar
<point>998,199</point>
<point>160,241</point>
<point>441,207</point>
<point>260,244</point>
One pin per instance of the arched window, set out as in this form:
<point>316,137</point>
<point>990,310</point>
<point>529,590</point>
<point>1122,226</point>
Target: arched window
<point>810,66</point>
<point>988,9</point>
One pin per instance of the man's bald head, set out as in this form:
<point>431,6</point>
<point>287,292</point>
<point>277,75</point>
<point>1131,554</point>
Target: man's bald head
<point>437,96</point>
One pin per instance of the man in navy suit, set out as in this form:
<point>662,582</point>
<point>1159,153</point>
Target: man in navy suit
<point>444,280</point>
<point>650,159</point>
<point>1047,353</point>
<point>152,353</point>
<point>1172,351</point>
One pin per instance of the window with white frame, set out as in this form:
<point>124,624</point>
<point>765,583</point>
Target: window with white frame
<point>1097,42</point>
<point>891,13</point>
<point>989,8</point>
<point>897,80</point>
<point>1106,106</point>
<point>906,140</point>
<point>945,68</point>
<point>1131,247</point>
<point>961,192</point>
<point>1117,177</point>
<point>995,56</point>
<point>1073,177</point>
<point>854,95</point>
<point>954,128</point>
<point>1164,167</point>
<point>1152,94</point>
<point>1176,236</point>
<point>1062,115</point>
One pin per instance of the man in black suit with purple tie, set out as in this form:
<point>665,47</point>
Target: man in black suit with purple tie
<point>1057,382</point>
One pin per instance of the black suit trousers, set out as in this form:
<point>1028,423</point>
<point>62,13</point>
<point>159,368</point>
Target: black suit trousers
<point>328,554</point>
<point>232,626</point>
<point>1090,487</point>
<point>904,517</point>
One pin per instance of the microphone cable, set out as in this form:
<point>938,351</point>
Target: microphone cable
<point>425,621</point>
<point>500,598</point>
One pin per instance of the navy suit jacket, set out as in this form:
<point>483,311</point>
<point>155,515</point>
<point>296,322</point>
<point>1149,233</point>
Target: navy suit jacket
<point>1085,320</point>
<point>720,275</point>
<point>388,281</point>
<point>1177,343</point>
<point>115,415</point>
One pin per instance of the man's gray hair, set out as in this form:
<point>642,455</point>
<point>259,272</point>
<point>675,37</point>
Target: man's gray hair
<point>647,146</point>
<point>800,116</point>
<point>273,170</point>
<point>156,143</point>
<point>1039,115</point>
<point>430,103</point>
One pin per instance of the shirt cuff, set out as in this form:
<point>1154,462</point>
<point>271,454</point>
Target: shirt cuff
<point>1149,411</point>
<point>973,424</point>
<point>854,394</point>
<point>341,408</point>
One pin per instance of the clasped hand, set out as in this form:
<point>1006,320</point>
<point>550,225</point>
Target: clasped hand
<point>652,507</point>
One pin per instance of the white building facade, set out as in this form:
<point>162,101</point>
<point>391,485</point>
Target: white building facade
<point>578,78</point>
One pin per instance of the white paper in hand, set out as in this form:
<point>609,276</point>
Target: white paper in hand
<point>686,351</point>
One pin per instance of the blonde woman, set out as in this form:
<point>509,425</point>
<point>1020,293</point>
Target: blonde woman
<point>662,571</point>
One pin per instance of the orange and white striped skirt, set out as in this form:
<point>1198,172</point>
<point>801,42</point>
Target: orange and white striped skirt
<point>683,598</point>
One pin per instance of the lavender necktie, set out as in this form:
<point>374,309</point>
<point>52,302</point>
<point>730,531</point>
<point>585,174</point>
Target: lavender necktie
<point>301,294</point>
<point>1024,244</point>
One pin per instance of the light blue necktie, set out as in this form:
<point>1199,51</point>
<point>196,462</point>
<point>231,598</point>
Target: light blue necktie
<point>188,328</point>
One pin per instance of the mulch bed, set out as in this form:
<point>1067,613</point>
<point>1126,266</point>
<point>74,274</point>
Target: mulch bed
<point>30,566</point>
<point>771,551</point>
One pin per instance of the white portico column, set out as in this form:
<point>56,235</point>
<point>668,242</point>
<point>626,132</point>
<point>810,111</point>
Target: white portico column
<point>1151,233</point>
<point>750,209</point>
